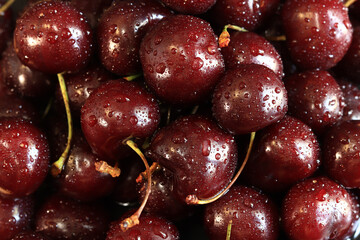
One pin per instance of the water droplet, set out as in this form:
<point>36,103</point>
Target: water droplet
<point>133,120</point>
<point>197,64</point>
<point>206,148</point>
<point>52,38</point>
<point>160,68</point>
<point>92,120</point>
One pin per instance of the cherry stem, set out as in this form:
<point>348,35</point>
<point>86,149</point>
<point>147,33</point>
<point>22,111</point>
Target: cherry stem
<point>224,38</point>
<point>153,168</point>
<point>132,77</point>
<point>134,219</point>
<point>349,3</point>
<point>104,167</point>
<point>276,38</point>
<point>228,233</point>
<point>59,164</point>
<point>194,200</point>
<point>47,108</point>
<point>195,109</point>
<point>168,116</point>
<point>6,6</point>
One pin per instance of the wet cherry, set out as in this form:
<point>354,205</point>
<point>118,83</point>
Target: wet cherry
<point>189,7</point>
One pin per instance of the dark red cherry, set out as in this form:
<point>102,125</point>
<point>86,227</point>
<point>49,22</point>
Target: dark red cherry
<point>25,81</point>
<point>349,64</point>
<point>181,52</point>
<point>351,99</point>
<point>63,218</point>
<point>189,7</point>
<point>318,208</point>
<point>318,33</point>
<point>115,111</point>
<point>150,227</point>
<point>201,156</point>
<point>284,153</point>
<point>162,200</point>
<point>247,48</point>
<point>248,14</point>
<point>24,157</point>
<point>120,31</point>
<point>80,179</point>
<point>15,216</point>
<point>315,98</point>
<point>53,37</point>
<point>248,98</point>
<point>252,213</point>
<point>5,26</point>
<point>29,235</point>
<point>341,149</point>
<point>15,107</point>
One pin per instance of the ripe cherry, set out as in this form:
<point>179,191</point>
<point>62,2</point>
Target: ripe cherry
<point>189,7</point>
<point>351,99</point>
<point>29,235</point>
<point>14,107</point>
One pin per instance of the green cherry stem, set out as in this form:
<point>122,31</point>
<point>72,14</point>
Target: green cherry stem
<point>6,6</point>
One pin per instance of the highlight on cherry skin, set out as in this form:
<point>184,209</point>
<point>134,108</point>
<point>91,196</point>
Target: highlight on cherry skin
<point>179,120</point>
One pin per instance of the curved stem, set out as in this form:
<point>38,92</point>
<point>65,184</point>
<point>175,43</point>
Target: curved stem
<point>276,38</point>
<point>194,200</point>
<point>134,219</point>
<point>58,165</point>
<point>153,168</point>
<point>349,3</point>
<point>47,108</point>
<point>132,77</point>
<point>228,233</point>
<point>6,6</point>
<point>224,38</point>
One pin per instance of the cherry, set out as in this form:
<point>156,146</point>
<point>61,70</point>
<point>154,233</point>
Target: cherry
<point>340,153</point>
<point>15,216</point>
<point>351,99</point>
<point>189,7</point>
<point>244,13</point>
<point>318,208</point>
<point>15,107</point>
<point>25,81</point>
<point>247,48</point>
<point>285,152</point>
<point>201,156</point>
<point>29,235</point>
<point>150,227</point>
<point>177,49</point>
<point>53,37</point>
<point>63,218</point>
<point>248,98</point>
<point>120,30</point>
<point>79,178</point>
<point>252,213</point>
<point>315,98</point>
<point>24,157</point>
<point>318,33</point>
<point>5,26</point>
<point>114,112</point>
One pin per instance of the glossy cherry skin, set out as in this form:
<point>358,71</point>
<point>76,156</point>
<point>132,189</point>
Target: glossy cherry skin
<point>25,81</point>
<point>341,153</point>
<point>162,200</point>
<point>79,179</point>
<point>181,52</point>
<point>253,215</point>
<point>29,235</point>
<point>24,157</point>
<point>63,218</point>
<point>15,216</point>
<point>249,47</point>
<point>248,98</point>
<point>318,33</point>
<point>318,208</point>
<point>201,156</point>
<point>243,13</point>
<point>315,98</point>
<point>115,111</point>
<point>15,107</point>
<point>53,37</point>
<point>284,153</point>
<point>189,7</point>
<point>351,99</point>
<point>150,227</point>
<point>120,31</point>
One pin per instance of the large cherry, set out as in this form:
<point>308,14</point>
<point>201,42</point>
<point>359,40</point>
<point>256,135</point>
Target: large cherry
<point>181,52</point>
<point>201,156</point>
<point>318,33</point>
<point>14,107</point>
<point>248,98</point>
<point>253,216</point>
<point>53,37</point>
<point>116,111</point>
<point>24,157</point>
<point>341,149</point>
<point>315,98</point>
<point>247,48</point>
<point>15,216</point>
<point>318,208</point>
<point>189,7</point>
<point>120,31</point>
<point>285,152</point>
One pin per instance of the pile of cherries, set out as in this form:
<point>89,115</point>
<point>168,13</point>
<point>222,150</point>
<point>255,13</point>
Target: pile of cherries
<point>246,115</point>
